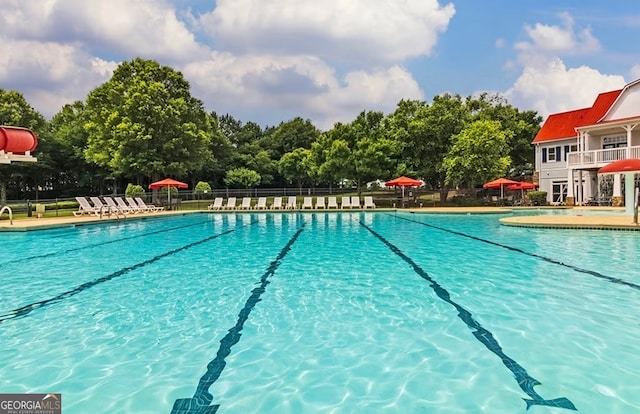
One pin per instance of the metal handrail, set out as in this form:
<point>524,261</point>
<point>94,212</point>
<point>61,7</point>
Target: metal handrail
<point>8,209</point>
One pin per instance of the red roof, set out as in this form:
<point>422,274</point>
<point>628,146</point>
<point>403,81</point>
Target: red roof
<point>562,125</point>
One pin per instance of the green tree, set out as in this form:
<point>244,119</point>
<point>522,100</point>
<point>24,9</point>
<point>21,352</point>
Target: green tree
<point>202,188</point>
<point>143,122</point>
<point>288,136</point>
<point>294,166</point>
<point>242,178</point>
<point>16,111</point>
<point>479,154</point>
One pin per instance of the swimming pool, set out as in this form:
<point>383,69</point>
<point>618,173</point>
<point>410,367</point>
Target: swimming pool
<point>322,312</point>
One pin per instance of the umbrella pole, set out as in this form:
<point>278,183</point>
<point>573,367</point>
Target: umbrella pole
<point>168,198</point>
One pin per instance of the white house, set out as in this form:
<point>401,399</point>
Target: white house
<point>571,147</point>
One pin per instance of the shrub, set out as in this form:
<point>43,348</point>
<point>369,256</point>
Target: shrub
<point>538,198</point>
<point>134,191</point>
<point>202,188</point>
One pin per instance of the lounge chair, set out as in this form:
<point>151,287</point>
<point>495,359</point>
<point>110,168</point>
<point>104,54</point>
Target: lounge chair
<point>246,204</point>
<point>307,203</point>
<point>85,208</point>
<point>346,202</point>
<point>231,204</point>
<point>320,203</point>
<point>292,203</point>
<point>124,207</point>
<point>106,208</point>
<point>332,203</point>
<point>355,202</point>
<point>277,203</point>
<point>261,204</point>
<point>134,206</point>
<point>216,205</point>
<point>368,202</point>
<point>149,207</point>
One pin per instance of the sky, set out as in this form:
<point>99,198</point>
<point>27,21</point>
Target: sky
<point>268,61</point>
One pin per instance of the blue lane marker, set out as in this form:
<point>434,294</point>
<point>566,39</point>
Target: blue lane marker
<point>525,381</point>
<point>515,249</point>
<point>25,310</point>
<point>39,256</point>
<point>201,400</point>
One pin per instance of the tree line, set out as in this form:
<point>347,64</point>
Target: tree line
<point>143,125</point>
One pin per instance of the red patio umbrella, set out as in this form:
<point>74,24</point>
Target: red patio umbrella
<point>628,166</point>
<point>522,186</point>
<point>500,183</point>
<point>403,182</point>
<point>168,182</point>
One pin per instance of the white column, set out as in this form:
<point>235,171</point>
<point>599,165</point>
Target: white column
<point>616,185</point>
<point>579,196</point>
<point>628,193</point>
<point>570,184</point>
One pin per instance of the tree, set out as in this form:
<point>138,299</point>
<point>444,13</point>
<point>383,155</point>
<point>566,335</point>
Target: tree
<point>143,122</point>
<point>479,154</point>
<point>16,111</point>
<point>294,166</point>
<point>426,133</point>
<point>288,136</point>
<point>242,178</point>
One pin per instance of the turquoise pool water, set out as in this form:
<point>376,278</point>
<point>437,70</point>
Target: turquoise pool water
<point>322,313</point>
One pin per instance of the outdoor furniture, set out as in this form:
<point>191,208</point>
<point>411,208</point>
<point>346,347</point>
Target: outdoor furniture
<point>368,202</point>
<point>291,203</point>
<point>346,202</point>
<point>216,205</point>
<point>307,202</point>
<point>355,202</point>
<point>246,203</point>
<point>261,204</point>
<point>231,204</point>
<point>277,203</point>
<point>320,203</point>
<point>332,203</point>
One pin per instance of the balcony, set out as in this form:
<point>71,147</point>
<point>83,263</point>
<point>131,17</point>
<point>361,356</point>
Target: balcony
<point>600,158</point>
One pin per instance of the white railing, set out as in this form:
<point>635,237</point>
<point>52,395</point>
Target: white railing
<point>600,158</point>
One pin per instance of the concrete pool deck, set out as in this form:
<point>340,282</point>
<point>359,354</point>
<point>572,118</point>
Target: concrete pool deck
<point>574,218</point>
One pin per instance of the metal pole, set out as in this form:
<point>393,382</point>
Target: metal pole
<point>635,206</point>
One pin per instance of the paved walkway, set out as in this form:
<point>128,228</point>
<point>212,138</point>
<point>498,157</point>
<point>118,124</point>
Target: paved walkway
<point>582,217</point>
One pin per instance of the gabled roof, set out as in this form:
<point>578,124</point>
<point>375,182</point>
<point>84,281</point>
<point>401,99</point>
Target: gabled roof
<point>562,125</point>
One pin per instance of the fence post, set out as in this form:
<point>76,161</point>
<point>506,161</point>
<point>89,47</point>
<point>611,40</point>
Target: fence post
<point>29,214</point>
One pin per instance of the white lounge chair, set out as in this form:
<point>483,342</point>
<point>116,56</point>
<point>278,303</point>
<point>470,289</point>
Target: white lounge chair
<point>332,203</point>
<point>216,205</point>
<point>246,204</point>
<point>124,207</point>
<point>307,203</point>
<point>277,203</point>
<point>261,204</point>
<point>292,203</point>
<point>149,207</point>
<point>320,203</point>
<point>231,204</point>
<point>368,202</point>
<point>346,202</point>
<point>85,208</point>
<point>105,208</point>
<point>134,206</point>
<point>355,202</point>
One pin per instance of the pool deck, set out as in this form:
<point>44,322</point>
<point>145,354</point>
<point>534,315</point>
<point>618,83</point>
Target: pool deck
<point>576,218</point>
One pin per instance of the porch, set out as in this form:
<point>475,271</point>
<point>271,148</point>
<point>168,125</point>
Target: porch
<point>599,158</point>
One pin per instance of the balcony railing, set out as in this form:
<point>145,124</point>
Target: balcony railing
<point>600,158</point>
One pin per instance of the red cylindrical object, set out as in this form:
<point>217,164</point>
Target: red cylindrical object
<point>17,140</point>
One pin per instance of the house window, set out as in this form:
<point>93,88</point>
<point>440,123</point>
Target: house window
<point>614,142</point>
<point>553,154</point>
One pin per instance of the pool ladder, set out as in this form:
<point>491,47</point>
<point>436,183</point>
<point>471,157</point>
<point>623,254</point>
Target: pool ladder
<point>7,209</point>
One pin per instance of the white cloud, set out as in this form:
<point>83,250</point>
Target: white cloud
<point>304,85</point>
<point>552,88</point>
<point>51,74</point>
<point>348,31</point>
<point>548,40</point>
<point>635,72</point>
<point>546,84</point>
<point>145,28</point>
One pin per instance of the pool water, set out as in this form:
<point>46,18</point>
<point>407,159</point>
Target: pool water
<point>322,313</point>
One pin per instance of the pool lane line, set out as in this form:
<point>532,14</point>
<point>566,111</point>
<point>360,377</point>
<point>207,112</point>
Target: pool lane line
<point>537,256</point>
<point>40,256</point>
<point>25,310</point>
<point>525,381</point>
<point>201,400</point>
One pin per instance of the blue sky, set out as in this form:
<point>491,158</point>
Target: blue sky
<point>271,60</point>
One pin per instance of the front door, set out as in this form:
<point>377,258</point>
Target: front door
<point>558,192</point>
